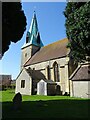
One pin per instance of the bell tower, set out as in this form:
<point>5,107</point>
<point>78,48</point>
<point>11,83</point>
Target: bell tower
<point>33,41</point>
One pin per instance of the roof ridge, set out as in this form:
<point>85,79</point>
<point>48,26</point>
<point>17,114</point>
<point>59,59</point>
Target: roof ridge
<point>61,40</point>
<point>52,51</point>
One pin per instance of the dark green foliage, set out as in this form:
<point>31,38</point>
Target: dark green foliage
<point>13,23</point>
<point>78,29</point>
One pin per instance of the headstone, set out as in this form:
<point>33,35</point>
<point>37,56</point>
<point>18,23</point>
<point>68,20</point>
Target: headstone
<point>17,100</point>
<point>42,88</point>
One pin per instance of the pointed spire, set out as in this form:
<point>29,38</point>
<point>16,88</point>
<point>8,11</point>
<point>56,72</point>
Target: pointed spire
<point>34,14</point>
<point>34,27</point>
<point>33,35</point>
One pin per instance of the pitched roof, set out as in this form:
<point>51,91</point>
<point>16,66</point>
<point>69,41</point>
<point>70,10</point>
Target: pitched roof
<point>48,81</point>
<point>35,74</point>
<point>38,75</point>
<point>33,35</point>
<point>81,73</point>
<point>51,51</point>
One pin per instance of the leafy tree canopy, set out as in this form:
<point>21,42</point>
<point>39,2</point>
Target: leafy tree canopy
<point>13,23</point>
<point>78,29</point>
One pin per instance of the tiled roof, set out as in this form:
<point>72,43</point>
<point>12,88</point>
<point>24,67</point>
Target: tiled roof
<point>51,51</point>
<point>81,73</point>
<point>35,74</point>
<point>38,75</point>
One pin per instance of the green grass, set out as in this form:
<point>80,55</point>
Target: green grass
<point>44,107</point>
<point>8,95</point>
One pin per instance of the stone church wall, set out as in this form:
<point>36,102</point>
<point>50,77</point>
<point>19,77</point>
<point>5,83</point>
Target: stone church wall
<point>28,83</point>
<point>81,89</point>
<point>62,70</point>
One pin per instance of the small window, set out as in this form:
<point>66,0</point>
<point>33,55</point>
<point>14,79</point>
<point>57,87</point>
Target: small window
<point>22,83</point>
<point>25,54</point>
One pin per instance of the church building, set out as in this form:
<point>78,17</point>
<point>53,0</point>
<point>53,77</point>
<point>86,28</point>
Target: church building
<point>49,64</point>
<point>42,62</point>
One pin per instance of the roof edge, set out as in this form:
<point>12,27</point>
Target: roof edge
<point>43,61</point>
<point>75,71</point>
<point>21,72</point>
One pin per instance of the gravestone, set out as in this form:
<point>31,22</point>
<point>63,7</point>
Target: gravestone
<point>17,100</point>
<point>46,87</point>
<point>42,88</point>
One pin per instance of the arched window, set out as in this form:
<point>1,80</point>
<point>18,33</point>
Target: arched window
<point>48,72</point>
<point>38,38</point>
<point>27,37</point>
<point>56,72</point>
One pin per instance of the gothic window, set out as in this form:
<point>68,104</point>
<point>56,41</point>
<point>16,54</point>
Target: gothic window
<point>27,37</point>
<point>48,72</point>
<point>56,72</point>
<point>22,83</point>
<point>38,41</point>
<point>38,38</point>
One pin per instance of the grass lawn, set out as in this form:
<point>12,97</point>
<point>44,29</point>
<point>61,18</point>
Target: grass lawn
<point>45,107</point>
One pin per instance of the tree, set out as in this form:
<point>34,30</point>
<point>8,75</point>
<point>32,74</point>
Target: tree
<point>13,23</point>
<point>78,29</point>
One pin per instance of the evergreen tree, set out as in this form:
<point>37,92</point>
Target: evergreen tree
<point>78,29</point>
<point>13,23</point>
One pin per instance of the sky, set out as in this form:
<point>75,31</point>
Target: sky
<point>51,25</point>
